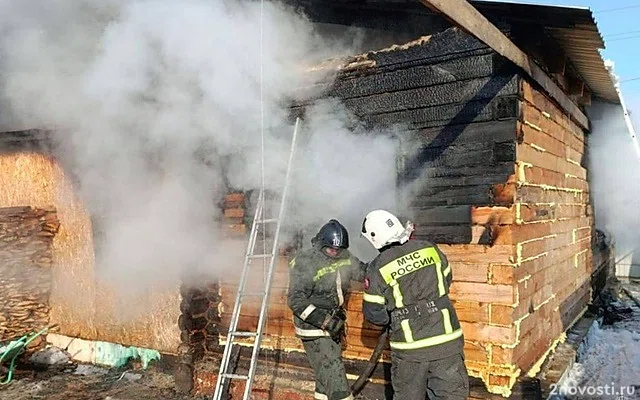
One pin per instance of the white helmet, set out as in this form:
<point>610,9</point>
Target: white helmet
<point>382,228</point>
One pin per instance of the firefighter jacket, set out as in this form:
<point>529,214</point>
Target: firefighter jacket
<point>318,285</point>
<point>407,287</point>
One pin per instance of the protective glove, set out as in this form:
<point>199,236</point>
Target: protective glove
<point>334,323</point>
<point>341,313</point>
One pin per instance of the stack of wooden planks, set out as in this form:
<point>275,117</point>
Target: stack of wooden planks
<point>26,236</point>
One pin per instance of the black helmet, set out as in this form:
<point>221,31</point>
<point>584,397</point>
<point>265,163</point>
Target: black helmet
<point>332,234</point>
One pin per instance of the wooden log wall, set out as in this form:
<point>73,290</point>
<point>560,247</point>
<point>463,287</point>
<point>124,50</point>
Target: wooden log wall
<point>481,293</point>
<point>552,236</point>
<point>235,216</point>
<point>456,103</point>
<point>199,320</point>
<point>460,102</point>
<point>491,171</point>
<point>26,237</point>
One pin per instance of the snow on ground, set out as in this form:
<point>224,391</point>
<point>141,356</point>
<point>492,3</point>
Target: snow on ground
<point>609,363</point>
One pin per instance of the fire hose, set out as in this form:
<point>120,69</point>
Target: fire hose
<point>362,380</point>
<point>14,348</point>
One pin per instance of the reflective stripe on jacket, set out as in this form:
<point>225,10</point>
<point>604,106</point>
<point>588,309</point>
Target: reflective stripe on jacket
<point>318,285</point>
<point>411,283</point>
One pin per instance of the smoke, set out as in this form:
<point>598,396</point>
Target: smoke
<point>614,173</point>
<point>634,111</point>
<point>346,171</point>
<point>157,111</point>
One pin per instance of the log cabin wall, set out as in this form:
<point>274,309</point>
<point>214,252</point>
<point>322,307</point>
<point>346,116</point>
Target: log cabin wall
<point>491,170</point>
<point>459,102</point>
<point>553,262</point>
<point>457,173</point>
<point>198,323</point>
<point>26,237</point>
<point>200,296</point>
<point>200,307</point>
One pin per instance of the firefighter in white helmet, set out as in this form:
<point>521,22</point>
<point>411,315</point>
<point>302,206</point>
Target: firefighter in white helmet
<point>406,288</point>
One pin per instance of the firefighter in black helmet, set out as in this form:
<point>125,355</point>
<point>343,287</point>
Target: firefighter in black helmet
<point>318,283</point>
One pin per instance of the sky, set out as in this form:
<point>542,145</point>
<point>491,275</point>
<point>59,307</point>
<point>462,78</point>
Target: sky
<point>618,24</point>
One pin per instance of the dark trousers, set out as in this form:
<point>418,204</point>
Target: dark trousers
<point>325,357</point>
<point>444,379</point>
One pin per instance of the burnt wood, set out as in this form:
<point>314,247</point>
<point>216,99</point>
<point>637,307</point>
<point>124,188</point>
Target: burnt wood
<point>191,324</point>
<point>447,43</point>
<point>414,166</point>
<point>448,93</point>
<point>471,20</point>
<point>470,171</point>
<point>27,140</point>
<point>195,306</point>
<point>472,180</point>
<point>442,215</point>
<point>445,234</point>
<point>212,328</point>
<point>477,195</point>
<point>487,109</point>
<point>401,77</point>
<point>500,131</point>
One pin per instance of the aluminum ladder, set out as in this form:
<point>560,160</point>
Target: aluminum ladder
<point>259,221</point>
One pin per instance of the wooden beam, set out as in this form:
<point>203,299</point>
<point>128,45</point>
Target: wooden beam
<point>557,64</point>
<point>576,87</point>
<point>586,97</point>
<point>471,20</point>
<point>534,41</point>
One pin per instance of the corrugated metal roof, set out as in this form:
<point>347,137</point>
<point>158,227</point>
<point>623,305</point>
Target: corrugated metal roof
<point>582,48</point>
<point>576,31</point>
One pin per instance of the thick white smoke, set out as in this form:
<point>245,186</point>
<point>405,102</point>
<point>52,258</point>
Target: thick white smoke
<point>157,109</point>
<point>614,176</point>
<point>344,172</point>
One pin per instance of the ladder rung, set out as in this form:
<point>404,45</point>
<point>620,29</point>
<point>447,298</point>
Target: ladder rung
<point>243,334</point>
<point>261,255</point>
<point>259,219</point>
<point>235,376</point>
